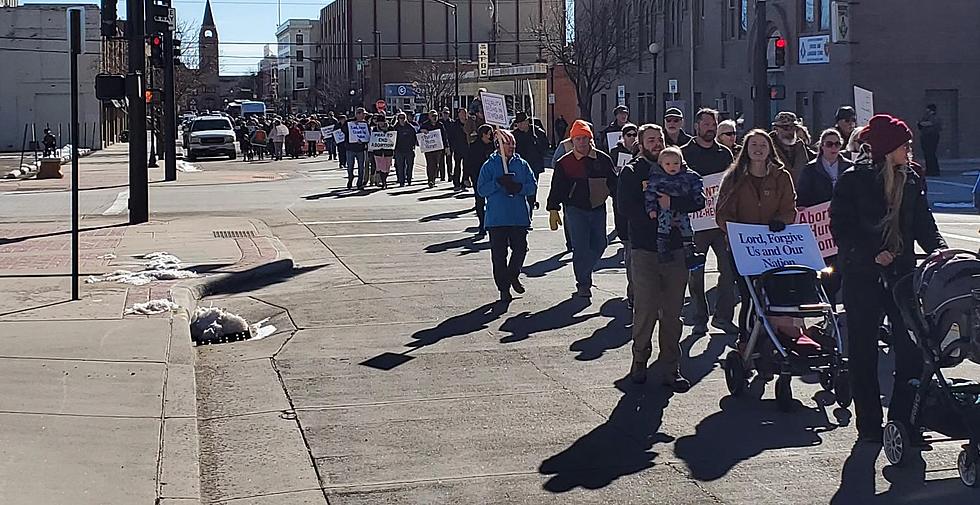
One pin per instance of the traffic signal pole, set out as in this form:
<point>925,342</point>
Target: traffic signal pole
<point>169,109</point>
<point>760,73</point>
<point>139,207</point>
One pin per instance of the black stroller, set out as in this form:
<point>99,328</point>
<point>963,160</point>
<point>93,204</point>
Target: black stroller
<point>940,303</point>
<point>790,292</point>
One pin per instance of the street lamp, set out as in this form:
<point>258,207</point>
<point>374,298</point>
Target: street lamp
<point>655,51</point>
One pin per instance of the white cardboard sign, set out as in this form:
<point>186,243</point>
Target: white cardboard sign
<point>757,250</point>
<point>495,109</point>
<point>622,160</point>
<point>431,141</point>
<point>326,131</point>
<point>311,135</point>
<point>359,133</point>
<point>382,141</point>
<point>864,105</point>
<point>338,136</point>
<point>612,138</point>
<point>818,217</point>
<point>704,219</point>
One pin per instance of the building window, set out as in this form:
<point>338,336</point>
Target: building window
<point>299,55</point>
<point>299,39</point>
<point>299,72</point>
<point>743,25</point>
<point>825,15</point>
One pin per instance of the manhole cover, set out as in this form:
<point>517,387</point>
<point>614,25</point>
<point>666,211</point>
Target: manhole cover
<point>234,233</point>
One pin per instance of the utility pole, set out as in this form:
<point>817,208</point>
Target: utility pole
<point>760,77</point>
<point>169,107</point>
<point>139,207</point>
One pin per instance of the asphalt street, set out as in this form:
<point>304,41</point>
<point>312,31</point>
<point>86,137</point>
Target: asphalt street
<point>394,378</point>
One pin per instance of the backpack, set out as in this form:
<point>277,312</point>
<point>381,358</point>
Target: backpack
<point>259,136</point>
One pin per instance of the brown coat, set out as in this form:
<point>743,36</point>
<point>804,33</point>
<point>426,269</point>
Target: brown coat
<point>739,202</point>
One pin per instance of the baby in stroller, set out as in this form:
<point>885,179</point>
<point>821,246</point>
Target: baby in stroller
<point>940,304</point>
<point>678,181</point>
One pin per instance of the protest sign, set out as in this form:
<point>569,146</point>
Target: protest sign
<point>382,141</point>
<point>338,136</point>
<point>359,133</point>
<point>494,109</point>
<point>818,217</point>
<point>326,131</point>
<point>431,141</point>
<point>621,161</point>
<point>864,105</point>
<point>757,250</point>
<point>704,219</point>
<point>612,138</point>
<point>311,135</point>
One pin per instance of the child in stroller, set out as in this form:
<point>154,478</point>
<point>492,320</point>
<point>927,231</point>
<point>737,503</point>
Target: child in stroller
<point>779,341</point>
<point>940,303</point>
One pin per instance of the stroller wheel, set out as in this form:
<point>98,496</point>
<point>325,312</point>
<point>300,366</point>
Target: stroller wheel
<point>784,393</point>
<point>967,467</point>
<point>842,389</point>
<point>735,375</point>
<point>896,442</point>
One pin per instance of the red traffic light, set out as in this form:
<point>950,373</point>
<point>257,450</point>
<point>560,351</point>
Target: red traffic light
<point>781,43</point>
<point>156,40</point>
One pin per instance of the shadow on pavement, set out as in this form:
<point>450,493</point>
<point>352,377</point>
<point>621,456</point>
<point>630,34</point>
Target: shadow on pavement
<point>255,278</point>
<point>14,240</point>
<point>444,196</point>
<point>408,191</point>
<point>908,484</point>
<point>623,445</point>
<point>463,324</point>
<point>613,335</point>
<point>563,315</point>
<point>468,245</point>
<point>344,193</point>
<point>744,428</point>
<point>548,265</point>
<point>446,215</point>
<point>696,368</point>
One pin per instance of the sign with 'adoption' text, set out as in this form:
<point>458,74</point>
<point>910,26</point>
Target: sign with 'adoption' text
<point>757,250</point>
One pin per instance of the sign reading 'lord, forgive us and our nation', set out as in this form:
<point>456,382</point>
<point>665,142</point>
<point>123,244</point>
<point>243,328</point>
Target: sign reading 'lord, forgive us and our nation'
<point>757,250</point>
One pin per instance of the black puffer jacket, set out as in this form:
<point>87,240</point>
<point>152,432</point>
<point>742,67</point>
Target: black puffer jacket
<point>630,200</point>
<point>857,208</point>
<point>815,186</point>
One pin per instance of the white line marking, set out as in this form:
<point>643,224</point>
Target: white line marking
<point>961,237</point>
<point>378,221</point>
<point>957,184</point>
<point>118,206</point>
<point>401,234</point>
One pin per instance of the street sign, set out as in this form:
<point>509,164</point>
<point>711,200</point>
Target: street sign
<point>551,98</point>
<point>672,86</point>
<point>484,60</point>
<point>840,22</point>
<point>621,95</point>
<point>814,50</point>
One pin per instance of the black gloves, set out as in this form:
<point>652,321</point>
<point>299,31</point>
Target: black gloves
<point>776,226</point>
<point>510,186</point>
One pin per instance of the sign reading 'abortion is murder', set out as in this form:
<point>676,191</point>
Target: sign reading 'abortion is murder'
<point>757,250</point>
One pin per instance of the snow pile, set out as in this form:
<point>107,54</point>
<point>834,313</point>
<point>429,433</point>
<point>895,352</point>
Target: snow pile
<point>183,166</point>
<point>213,324</point>
<point>153,307</point>
<point>106,256</point>
<point>161,266</point>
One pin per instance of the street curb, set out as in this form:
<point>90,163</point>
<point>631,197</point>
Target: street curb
<point>186,295</point>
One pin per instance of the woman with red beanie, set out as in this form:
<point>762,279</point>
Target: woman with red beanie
<point>878,213</point>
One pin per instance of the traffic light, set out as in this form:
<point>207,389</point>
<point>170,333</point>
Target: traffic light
<point>156,50</point>
<point>780,55</point>
<point>176,44</point>
<point>109,16</point>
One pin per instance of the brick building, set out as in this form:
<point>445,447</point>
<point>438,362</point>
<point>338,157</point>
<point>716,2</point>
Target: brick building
<point>905,51</point>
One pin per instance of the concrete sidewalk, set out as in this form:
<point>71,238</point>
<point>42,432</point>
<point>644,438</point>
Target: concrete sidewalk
<point>98,406</point>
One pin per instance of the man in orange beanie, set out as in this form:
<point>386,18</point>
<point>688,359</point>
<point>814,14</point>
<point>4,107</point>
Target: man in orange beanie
<point>583,180</point>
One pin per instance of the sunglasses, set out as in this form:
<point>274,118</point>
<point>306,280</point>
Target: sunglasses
<point>631,134</point>
<point>831,143</point>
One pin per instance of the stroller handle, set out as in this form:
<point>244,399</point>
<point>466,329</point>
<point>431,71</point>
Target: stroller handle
<point>785,269</point>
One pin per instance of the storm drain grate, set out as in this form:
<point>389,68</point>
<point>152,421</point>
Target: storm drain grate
<point>234,233</point>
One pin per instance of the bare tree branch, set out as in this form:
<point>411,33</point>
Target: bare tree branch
<point>596,47</point>
<point>435,82</point>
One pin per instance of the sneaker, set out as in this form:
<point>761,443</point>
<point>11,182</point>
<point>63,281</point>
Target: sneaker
<point>726,326</point>
<point>677,383</point>
<point>518,287</point>
<point>638,372</point>
<point>432,184</point>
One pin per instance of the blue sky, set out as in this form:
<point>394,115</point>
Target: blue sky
<point>251,21</point>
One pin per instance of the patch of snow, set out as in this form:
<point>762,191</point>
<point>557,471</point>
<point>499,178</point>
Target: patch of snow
<point>161,267</point>
<point>161,261</point>
<point>212,323</point>
<point>260,330</point>
<point>184,166</point>
<point>106,256</point>
<point>953,205</point>
<point>153,307</point>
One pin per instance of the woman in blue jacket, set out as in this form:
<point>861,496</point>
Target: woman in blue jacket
<point>506,181</point>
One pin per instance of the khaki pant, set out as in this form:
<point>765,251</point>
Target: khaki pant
<point>658,291</point>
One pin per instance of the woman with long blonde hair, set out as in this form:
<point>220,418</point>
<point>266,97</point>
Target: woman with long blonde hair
<point>878,213</point>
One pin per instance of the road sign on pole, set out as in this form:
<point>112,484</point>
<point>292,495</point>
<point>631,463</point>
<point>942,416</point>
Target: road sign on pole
<point>484,60</point>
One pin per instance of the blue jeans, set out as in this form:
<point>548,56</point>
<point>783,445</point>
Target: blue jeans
<point>359,156</point>
<point>587,230</point>
<point>404,166</point>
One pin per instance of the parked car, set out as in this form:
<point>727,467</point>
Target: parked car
<point>210,136</point>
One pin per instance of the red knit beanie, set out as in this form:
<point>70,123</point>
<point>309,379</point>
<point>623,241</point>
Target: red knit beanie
<point>884,134</point>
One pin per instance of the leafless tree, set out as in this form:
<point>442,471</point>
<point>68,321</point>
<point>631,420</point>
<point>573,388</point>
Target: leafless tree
<point>595,44</point>
<point>435,82</point>
<point>187,78</point>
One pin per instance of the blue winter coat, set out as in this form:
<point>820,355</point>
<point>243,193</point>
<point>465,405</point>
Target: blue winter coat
<point>504,209</point>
